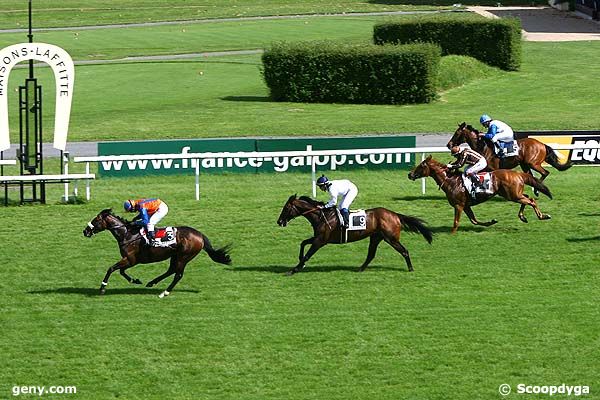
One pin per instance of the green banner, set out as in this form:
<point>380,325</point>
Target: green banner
<point>265,164</point>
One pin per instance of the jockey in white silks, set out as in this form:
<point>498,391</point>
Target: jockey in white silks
<point>342,187</point>
<point>500,133</point>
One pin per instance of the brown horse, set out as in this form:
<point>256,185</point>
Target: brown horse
<point>382,224</point>
<point>134,249</point>
<point>532,152</point>
<point>508,184</point>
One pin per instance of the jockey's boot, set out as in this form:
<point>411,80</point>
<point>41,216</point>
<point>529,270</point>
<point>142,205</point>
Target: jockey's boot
<point>346,217</point>
<point>153,241</point>
<point>476,185</point>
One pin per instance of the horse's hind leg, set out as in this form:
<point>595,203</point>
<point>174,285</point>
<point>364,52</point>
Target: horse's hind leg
<point>543,172</point>
<point>122,263</point>
<point>177,267</point>
<point>402,250</point>
<point>527,201</point>
<point>374,241</point>
<point>169,272</point>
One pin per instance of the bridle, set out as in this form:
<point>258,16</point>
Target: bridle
<point>310,210</point>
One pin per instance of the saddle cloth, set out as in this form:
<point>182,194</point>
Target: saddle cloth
<point>485,179</point>
<point>164,237</point>
<point>357,220</point>
<point>510,149</point>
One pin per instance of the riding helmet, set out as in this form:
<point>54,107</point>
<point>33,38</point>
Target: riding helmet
<point>484,118</point>
<point>322,180</point>
<point>127,205</point>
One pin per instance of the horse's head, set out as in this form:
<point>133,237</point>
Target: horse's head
<point>295,207</point>
<point>288,212</point>
<point>464,134</point>
<point>104,220</point>
<point>428,167</point>
<point>422,170</point>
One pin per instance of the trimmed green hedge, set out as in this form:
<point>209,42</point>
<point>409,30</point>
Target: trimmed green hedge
<point>496,42</point>
<point>331,72</point>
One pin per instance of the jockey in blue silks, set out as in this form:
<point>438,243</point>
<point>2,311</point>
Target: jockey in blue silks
<point>342,187</point>
<point>500,133</point>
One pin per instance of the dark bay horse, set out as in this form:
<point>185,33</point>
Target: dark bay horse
<point>382,224</point>
<point>134,249</point>
<point>532,152</point>
<point>506,183</point>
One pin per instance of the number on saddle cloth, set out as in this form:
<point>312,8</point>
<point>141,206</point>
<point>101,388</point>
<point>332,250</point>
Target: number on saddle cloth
<point>164,237</point>
<point>358,220</point>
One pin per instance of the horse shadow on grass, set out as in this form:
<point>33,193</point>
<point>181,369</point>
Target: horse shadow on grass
<point>281,269</point>
<point>583,239</point>
<point>93,292</point>
<point>259,99</point>
<point>439,197</point>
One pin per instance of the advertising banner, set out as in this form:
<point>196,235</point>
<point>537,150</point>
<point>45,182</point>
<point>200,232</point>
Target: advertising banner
<point>264,164</point>
<point>577,156</point>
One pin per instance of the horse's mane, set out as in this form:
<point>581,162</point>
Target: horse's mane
<point>436,162</point>
<point>311,201</point>
<point>108,211</point>
<point>472,129</point>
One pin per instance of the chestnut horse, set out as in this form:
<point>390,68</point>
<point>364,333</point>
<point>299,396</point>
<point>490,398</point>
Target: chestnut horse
<point>134,249</point>
<point>382,224</point>
<point>532,152</point>
<point>505,182</point>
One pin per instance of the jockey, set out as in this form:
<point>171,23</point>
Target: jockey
<point>498,132</point>
<point>341,187</point>
<point>151,211</point>
<point>465,155</point>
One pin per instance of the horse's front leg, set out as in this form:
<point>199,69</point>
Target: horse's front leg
<point>302,246</point>
<point>457,211</point>
<point>317,243</point>
<point>122,263</point>
<point>473,219</point>
<point>135,281</point>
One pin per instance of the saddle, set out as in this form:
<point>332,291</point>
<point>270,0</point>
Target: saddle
<point>163,237</point>
<point>485,183</point>
<point>506,149</point>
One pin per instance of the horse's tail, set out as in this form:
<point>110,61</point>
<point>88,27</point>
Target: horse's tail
<point>536,184</point>
<point>552,159</point>
<point>416,225</point>
<point>217,255</point>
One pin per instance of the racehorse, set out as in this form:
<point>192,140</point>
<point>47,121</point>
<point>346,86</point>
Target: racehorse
<point>505,182</point>
<point>532,152</point>
<point>382,224</point>
<point>134,249</point>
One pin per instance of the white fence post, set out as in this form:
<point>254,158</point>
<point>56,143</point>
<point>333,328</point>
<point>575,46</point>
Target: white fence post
<point>197,179</point>
<point>87,182</point>
<point>66,172</point>
<point>422,179</point>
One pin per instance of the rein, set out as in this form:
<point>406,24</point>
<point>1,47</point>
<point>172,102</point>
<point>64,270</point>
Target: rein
<point>311,210</point>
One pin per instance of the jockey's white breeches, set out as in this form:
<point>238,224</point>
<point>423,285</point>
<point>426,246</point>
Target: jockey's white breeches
<point>505,136</point>
<point>475,168</point>
<point>348,198</point>
<point>163,209</point>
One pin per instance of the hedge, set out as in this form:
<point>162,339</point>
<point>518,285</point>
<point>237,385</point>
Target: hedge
<point>333,72</point>
<point>496,42</point>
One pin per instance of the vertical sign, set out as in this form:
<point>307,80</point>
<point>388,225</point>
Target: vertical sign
<point>64,74</point>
